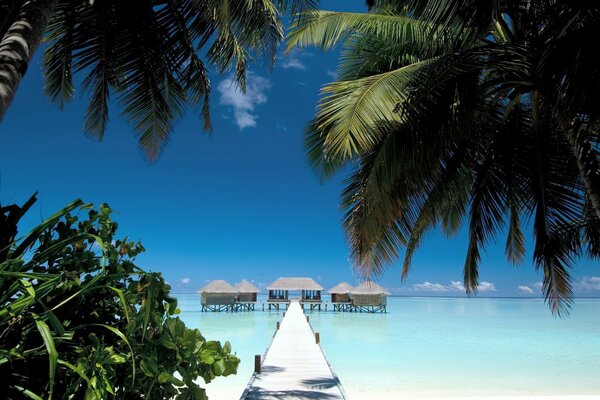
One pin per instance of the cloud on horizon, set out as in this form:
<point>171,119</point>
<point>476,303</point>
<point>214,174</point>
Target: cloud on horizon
<point>486,287</point>
<point>588,284</point>
<point>429,287</point>
<point>525,289</point>
<point>454,286</point>
<point>243,104</point>
<point>585,284</point>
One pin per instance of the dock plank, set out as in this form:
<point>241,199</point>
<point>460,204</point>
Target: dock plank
<point>294,366</point>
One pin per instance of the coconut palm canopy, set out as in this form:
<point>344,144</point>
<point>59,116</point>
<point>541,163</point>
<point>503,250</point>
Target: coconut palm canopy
<point>246,287</point>
<point>341,288</point>
<point>454,113</point>
<point>152,58</point>
<point>295,284</point>
<point>218,286</point>
<point>369,287</point>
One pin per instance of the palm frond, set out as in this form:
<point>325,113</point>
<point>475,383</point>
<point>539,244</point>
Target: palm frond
<point>58,58</point>
<point>349,110</point>
<point>511,86</point>
<point>557,203</point>
<point>488,208</point>
<point>326,29</point>
<point>445,203</point>
<point>147,55</point>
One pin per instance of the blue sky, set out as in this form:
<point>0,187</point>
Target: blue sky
<point>241,203</point>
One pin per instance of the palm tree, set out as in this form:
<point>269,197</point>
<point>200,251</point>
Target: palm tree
<point>463,110</point>
<point>147,52</point>
<point>22,24</point>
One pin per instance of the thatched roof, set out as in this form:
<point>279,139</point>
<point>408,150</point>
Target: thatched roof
<point>246,287</point>
<point>369,288</point>
<point>294,284</point>
<point>341,288</point>
<point>218,286</point>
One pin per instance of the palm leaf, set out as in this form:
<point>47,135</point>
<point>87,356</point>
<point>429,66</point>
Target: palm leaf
<point>326,29</point>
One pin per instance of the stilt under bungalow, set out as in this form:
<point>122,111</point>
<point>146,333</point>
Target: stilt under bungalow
<point>218,296</point>
<point>247,295</point>
<point>340,296</point>
<point>369,297</point>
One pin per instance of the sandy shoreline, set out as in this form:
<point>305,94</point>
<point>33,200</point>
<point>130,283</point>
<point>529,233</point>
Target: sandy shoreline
<point>386,396</point>
<point>217,394</point>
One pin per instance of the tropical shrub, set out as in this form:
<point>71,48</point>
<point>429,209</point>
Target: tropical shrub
<point>80,320</point>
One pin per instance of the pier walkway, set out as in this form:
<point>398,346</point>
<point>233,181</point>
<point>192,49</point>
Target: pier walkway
<point>294,366</point>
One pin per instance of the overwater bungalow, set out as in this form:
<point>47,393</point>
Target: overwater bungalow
<point>218,296</point>
<point>246,295</point>
<point>369,297</point>
<point>310,292</point>
<point>340,296</point>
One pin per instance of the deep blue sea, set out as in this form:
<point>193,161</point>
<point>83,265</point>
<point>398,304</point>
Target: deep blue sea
<point>430,347</point>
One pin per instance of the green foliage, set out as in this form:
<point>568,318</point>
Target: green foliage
<point>74,304</point>
<point>463,112</point>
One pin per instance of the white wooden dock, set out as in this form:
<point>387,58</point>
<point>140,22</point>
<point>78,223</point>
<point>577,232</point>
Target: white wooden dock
<point>294,366</point>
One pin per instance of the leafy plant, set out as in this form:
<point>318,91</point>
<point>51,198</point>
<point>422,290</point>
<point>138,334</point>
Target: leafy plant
<point>74,304</point>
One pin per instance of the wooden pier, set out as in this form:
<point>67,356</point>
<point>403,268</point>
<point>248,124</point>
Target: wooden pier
<point>294,366</point>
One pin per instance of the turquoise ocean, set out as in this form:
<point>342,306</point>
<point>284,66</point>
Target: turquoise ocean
<point>429,347</point>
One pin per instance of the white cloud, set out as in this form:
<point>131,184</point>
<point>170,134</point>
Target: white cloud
<point>588,283</point>
<point>293,63</point>
<point>293,60</point>
<point>537,285</point>
<point>332,74</point>
<point>457,285</point>
<point>185,281</point>
<point>525,289</point>
<point>243,103</point>
<point>261,285</point>
<point>454,286</point>
<point>486,287</point>
<point>429,287</point>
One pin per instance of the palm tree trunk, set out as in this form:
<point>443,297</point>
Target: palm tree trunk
<point>18,45</point>
<point>588,164</point>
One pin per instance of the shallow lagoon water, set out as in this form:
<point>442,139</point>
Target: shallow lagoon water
<point>430,347</point>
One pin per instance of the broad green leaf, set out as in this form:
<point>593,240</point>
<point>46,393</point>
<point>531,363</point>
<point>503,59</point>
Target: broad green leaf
<point>219,367</point>
<point>206,357</point>
<point>227,348</point>
<point>165,377</point>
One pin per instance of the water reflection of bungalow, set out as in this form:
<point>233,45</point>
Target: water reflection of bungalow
<point>340,296</point>
<point>369,297</point>
<point>310,292</point>
<point>246,295</point>
<point>218,296</point>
